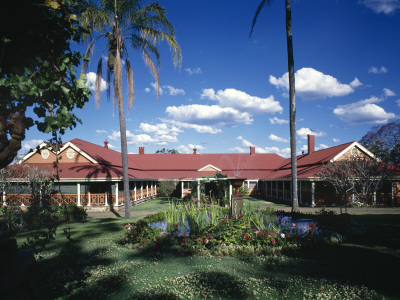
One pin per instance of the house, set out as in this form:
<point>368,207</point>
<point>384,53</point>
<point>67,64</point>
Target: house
<point>91,175</point>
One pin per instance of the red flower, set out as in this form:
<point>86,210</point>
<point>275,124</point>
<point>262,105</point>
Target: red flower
<point>244,233</point>
<point>247,237</point>
<point>223,221</point>
<point>240,217</point>
<point>273,242</point>
<point>254,229</point>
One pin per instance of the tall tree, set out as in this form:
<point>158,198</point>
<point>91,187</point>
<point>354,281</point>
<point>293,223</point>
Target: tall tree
<point>292,98</point>
<point>37,70</point>
<point>384,142</point>
<point>124,23</point>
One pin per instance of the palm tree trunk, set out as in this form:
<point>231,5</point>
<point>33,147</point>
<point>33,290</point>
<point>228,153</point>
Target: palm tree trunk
<point>122,128</point>
<point>124,156</point>
<point>292,106</point>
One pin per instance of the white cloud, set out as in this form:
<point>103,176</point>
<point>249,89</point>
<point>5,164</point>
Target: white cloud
<point>100,131</point>
<point>159,129</point>
<point>382,6</point>
<point>275,138</point>
<point>304,132</point>
<point>285,152</point>
<point>172,91</point>
<point>244,142</point>
<point>194,71</point>
<point>398,102</point>
<point>388,93</point>
<point>355,83</point>
<point>363,112</point>
<point>27,145</point>
<point>243,102</point>
<point>189,148</point>
<point>375,70</point>
<point>208,115</point>
<point>312,84</point>
<point>278,121</point>
<point>198,128</point>
<point>335,140</point>
<point>322,146</point>
<point>91,82</point>
<point>142,139</point>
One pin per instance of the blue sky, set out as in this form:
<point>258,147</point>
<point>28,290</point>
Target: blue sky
<point>231,90</point>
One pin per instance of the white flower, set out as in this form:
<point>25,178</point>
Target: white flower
<point>282,235</point>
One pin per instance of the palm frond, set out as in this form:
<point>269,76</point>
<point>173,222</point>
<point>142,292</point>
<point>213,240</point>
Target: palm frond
<point>129,77</point>
<point>150,65</point>
<point>137,42</point>
<point>118,78</point>
<point>98,82</point>
<point>259,8</point>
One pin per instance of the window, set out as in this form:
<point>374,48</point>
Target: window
<point>45,154</point>
<point>70,153</point>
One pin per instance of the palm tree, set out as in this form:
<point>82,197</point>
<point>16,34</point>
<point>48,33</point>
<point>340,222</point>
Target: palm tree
<point>292,99</point>
<point>124,23</point>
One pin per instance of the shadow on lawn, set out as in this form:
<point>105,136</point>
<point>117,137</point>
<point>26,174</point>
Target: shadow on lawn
<point>370,260</point>
<point>66,274</point>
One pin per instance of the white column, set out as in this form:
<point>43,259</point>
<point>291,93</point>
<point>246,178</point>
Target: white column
<point>147,189</point>
<point>141,189</point>
<point>155,188</point>
<point>230,194</point>
<point>135,190</point>
<point>182,186</point>
<point>88,199</point>
<point>198,190</point>
<point>106,202</point>
<point>374,198</point>
<point>116,194</point>
<point>78,191</point>
<point>5,203</point>
<point>312,194</point>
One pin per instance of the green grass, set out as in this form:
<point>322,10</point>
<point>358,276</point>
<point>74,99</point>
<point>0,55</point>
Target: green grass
<point>97,265</point>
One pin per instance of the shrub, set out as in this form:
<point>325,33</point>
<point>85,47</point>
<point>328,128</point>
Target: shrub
<point>12,219</point>
<point>71,212</point>
<point>167,187</point>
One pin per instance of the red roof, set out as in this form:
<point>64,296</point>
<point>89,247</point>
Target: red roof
<point>188,166</point>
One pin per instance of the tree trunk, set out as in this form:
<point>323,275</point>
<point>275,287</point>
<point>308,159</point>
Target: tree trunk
<point>122,129</point>
<point>292,106</point>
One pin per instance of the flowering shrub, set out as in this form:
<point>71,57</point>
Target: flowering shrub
<point>251,233</point>
<point>141,234</point>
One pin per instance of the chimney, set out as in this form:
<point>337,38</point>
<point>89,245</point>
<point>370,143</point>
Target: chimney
<point>141,150</point>
<point>106,144</point>
<point>194,151</point>
<point>252,150</point>
<point>311,143</point>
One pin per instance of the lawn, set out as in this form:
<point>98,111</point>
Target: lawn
<point>97,265</point>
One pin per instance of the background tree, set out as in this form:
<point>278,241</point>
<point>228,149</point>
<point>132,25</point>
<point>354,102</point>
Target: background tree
<point>292,98</point>
<point>384,142</point>
<point>360,176</point>
<point>122,23</point>
<point>37,70</point>
<point>169,151</point>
